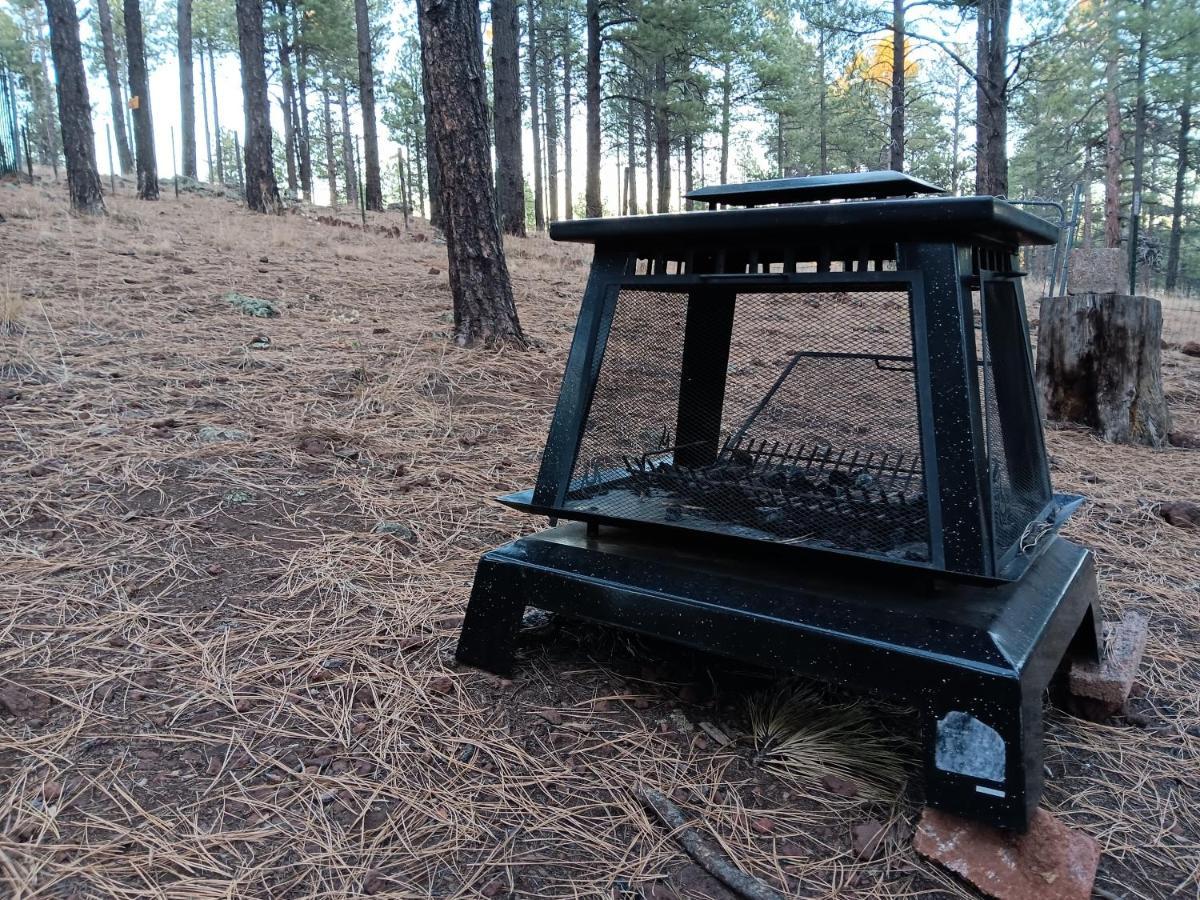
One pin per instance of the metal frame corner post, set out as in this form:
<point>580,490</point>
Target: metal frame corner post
<point>579,379</point>
<point>942,319</point>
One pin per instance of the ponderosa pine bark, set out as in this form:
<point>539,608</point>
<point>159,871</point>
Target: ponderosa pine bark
<point>550,117</point>
<point>568,196</point>
<point>283,40</point>
<point>452,69</point>
<point>262,191</point>
<point>216,111</point>
<point>348,168</point>
<point>303,134</point>
<point>1181,170</point>
<point>208,156</point>
<point>327,123</point>
<point>112,74</point>
<point>535,118</point>
<point>896,149</point>
<point>506,114</point>
<point>372,177</point>
<point>187,90</point>
<point>662,134</point>
<point>139,90</point>
<point>74,108</point>
<point>431,168</point>
<point>591,196</point>
<point>991,97</point>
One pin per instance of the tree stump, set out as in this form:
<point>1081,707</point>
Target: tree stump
<point>1099,364</point>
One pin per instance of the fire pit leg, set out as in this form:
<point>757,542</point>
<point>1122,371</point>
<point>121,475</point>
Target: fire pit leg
<point>489,629</point>
<point>983,751</point>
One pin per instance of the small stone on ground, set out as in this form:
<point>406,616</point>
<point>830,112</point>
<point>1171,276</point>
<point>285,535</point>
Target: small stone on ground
<point>1180,513</point>
<point>1049,862</point>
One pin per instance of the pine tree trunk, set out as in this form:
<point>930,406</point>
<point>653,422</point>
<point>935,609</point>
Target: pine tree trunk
<point>330,165</point>
<point>956,124</point>
<point>1112,139</point>
<point>74,108</point>
<point>304,136</point>
<point>726,104</point>
<point>568,197</point>
<point>372,177</point>
<point>139,88</point>
<point>1181,170</point>
<point>551,119</point>
<point>506,110</point>
<point>823,107</point>
<point>1099,364</point>
<point>631,168</point>
<point>452,63</point>
<point>422,157</point>
<point>662,135</point>
<point>535,115</point>
<point>216,111</point>
<point>896,149</point>
<point>592,204</point>
<point>289,95</point>
<point>262,193</point>
<point>348,149</point>
<point>431,169</point>
<point>648,130</point>
<point>187,91</point>
<point>113,76</point>
<point>1139,142</point>
<point>48,117</point>
<point>208,157</point>
<point>687,165</point>
<point>991,98</point>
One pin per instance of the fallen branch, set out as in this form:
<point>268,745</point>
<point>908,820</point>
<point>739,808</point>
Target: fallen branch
<point>710,858</point>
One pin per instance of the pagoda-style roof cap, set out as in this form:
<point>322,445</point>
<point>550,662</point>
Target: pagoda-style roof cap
<point>960,220</point>
<point>852,186</point>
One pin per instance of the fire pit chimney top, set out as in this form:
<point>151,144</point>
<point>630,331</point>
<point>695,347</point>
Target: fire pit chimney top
<point>811,188</point>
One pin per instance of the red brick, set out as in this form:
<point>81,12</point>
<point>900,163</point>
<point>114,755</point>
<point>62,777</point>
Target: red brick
<point>1098,691</point>
<point>1049,862</point>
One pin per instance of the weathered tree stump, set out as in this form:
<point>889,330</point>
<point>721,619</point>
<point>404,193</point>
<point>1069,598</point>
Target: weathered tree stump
<point>1099,364</point>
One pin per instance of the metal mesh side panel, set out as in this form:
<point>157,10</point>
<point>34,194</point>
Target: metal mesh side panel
<point>633,405</point>
<point>816,442</point>
<point>1017,495</point>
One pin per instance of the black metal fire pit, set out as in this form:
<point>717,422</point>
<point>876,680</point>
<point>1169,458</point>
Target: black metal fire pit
<point>805,435</point>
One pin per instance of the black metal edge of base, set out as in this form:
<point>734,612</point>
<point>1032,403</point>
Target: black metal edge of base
<point>964,701</point>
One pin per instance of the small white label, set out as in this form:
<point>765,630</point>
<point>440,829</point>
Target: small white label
<point>992,792</point>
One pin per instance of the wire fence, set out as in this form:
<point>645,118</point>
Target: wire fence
<point>10,154</point>
<point>1087,268</point>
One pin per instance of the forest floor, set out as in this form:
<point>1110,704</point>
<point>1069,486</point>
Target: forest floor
<point>235,554</point>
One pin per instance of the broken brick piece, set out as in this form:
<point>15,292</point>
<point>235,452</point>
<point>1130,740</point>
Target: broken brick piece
<point>1049,862</point>
<point>1100,690</point>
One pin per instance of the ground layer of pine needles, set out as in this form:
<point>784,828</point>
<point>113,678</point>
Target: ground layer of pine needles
<point>235,552</point>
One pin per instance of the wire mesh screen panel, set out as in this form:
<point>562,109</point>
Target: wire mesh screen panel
<point>1019,492</point>
<point>792,417</point>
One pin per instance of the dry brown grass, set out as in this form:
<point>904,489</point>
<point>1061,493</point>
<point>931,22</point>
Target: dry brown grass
<point>233,687</point>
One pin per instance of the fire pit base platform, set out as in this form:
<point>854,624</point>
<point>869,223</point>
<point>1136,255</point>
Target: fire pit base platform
<point>973,660</point>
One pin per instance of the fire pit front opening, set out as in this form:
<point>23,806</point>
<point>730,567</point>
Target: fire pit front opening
<point>791,417</point>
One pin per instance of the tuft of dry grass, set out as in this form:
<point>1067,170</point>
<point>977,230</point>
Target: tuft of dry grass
<point>801,734</point>
<point>220,679</point>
